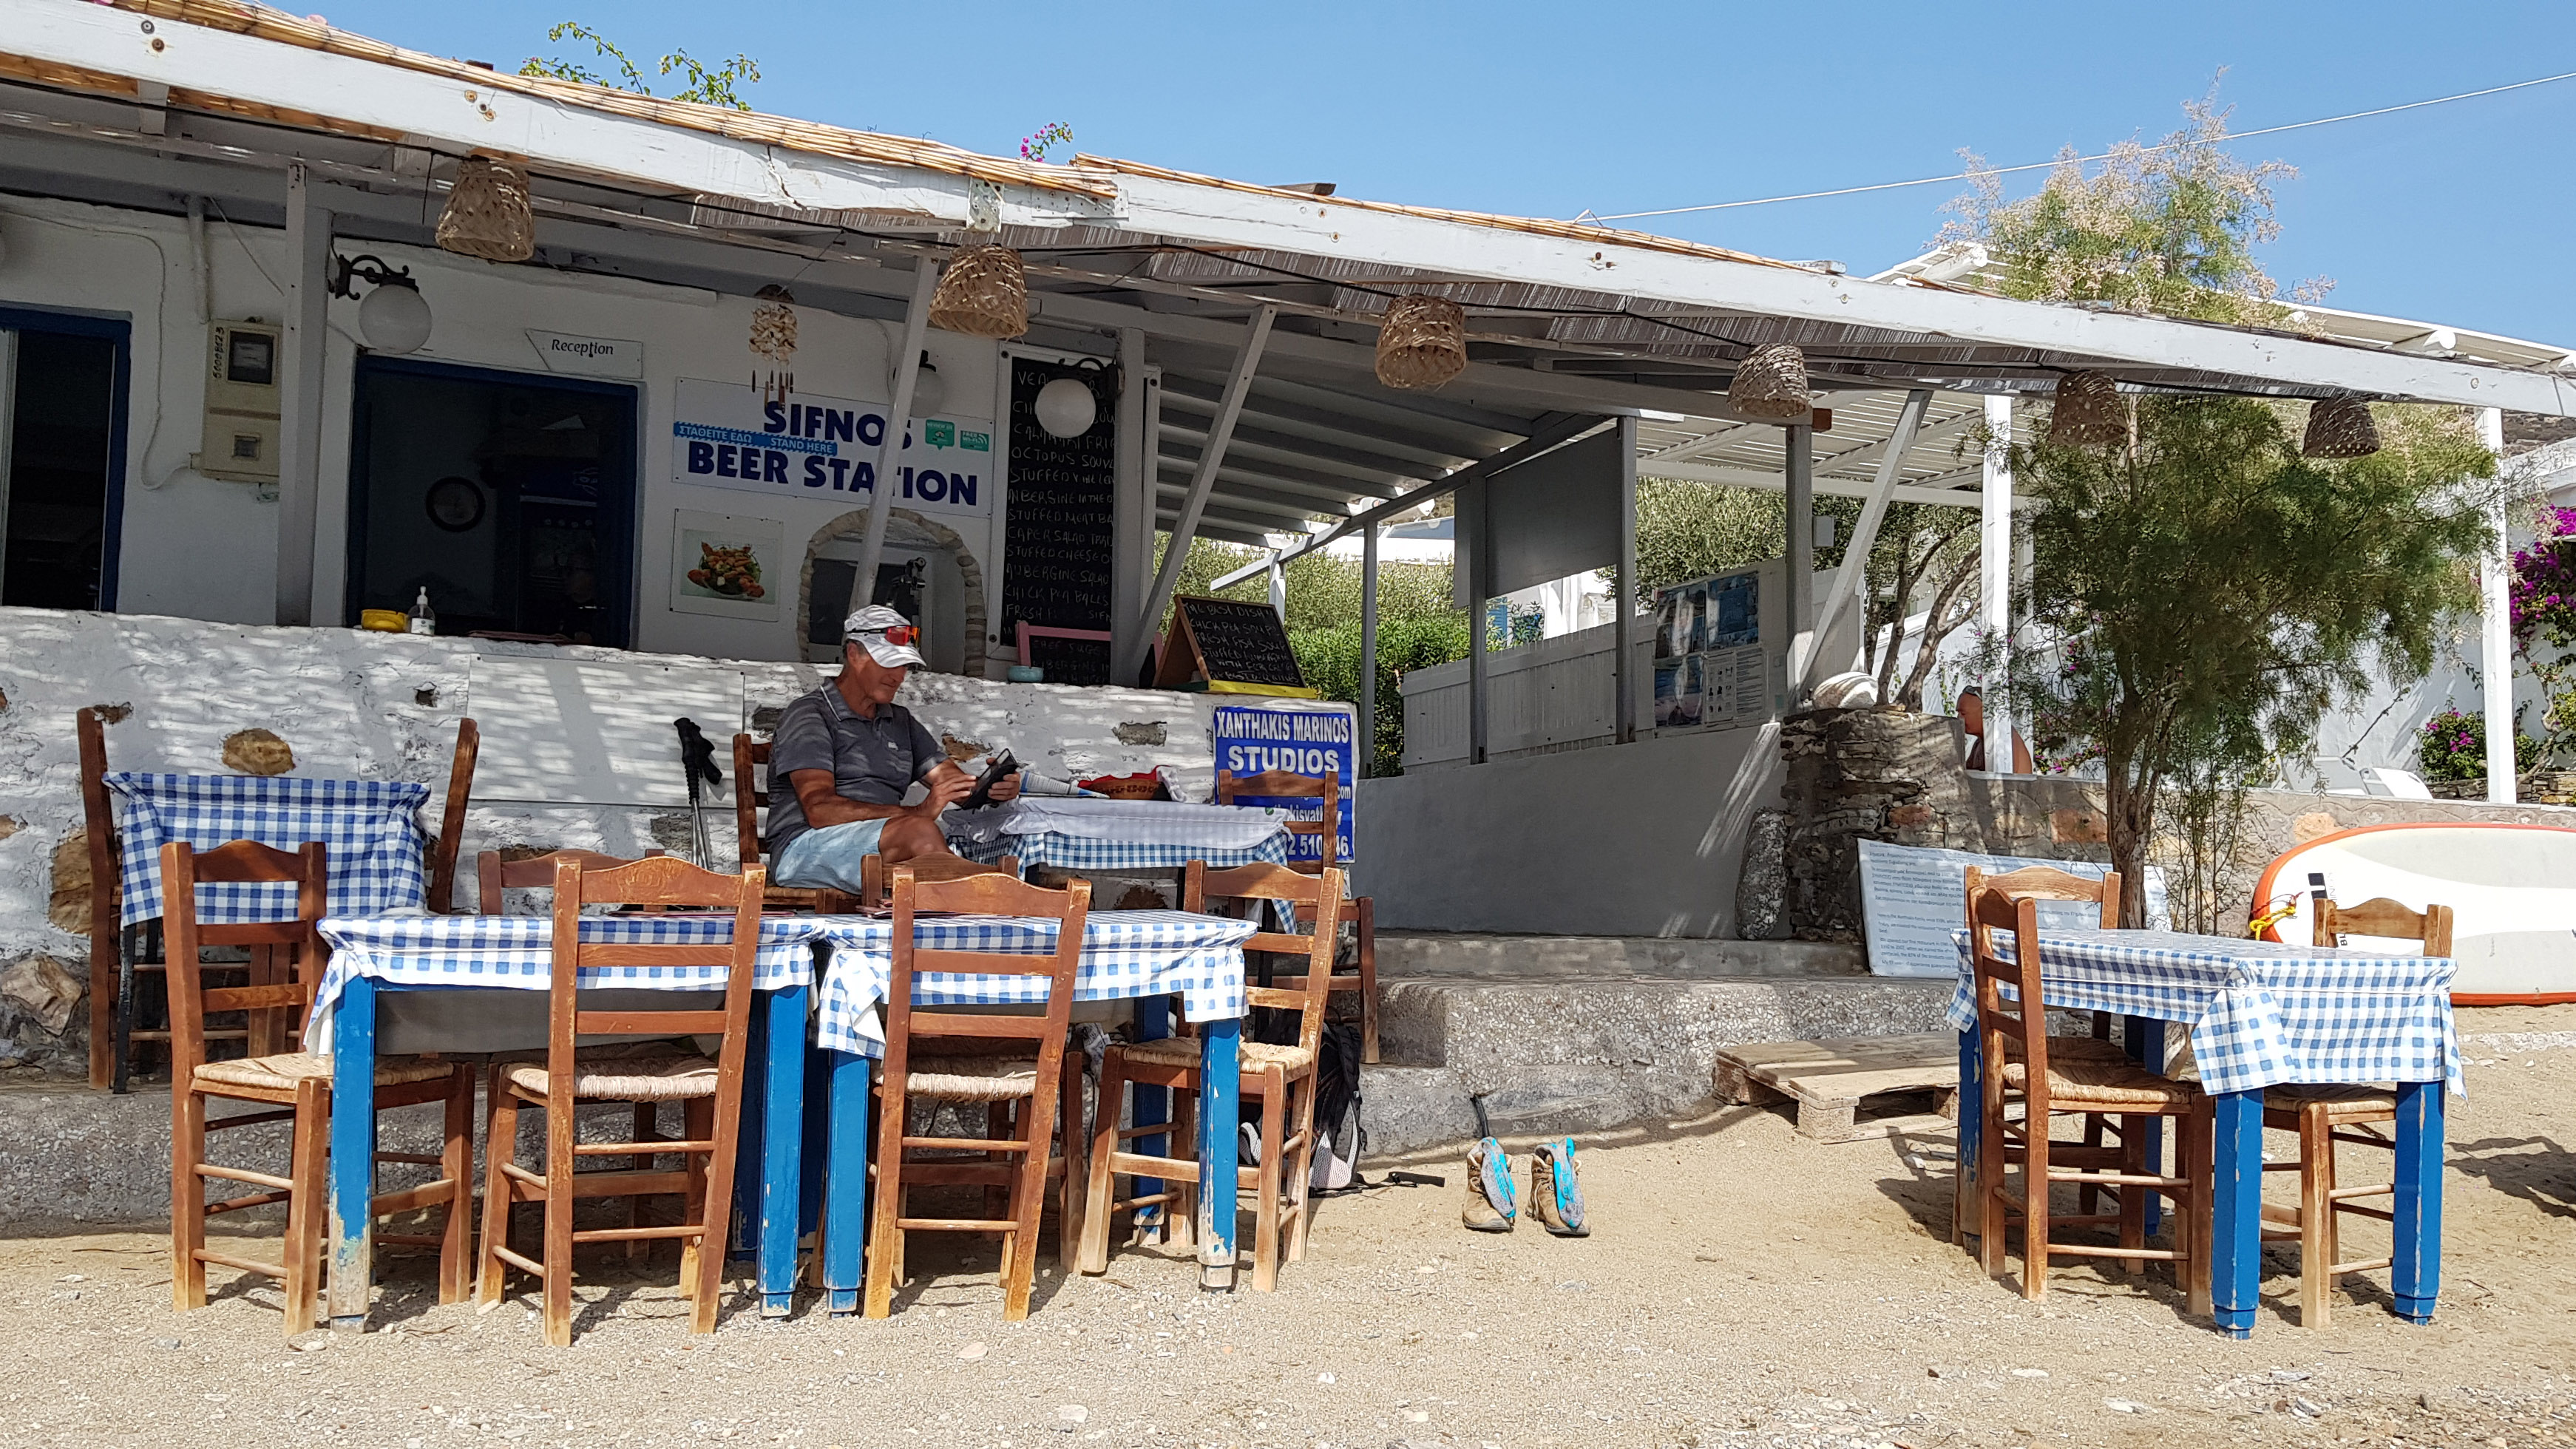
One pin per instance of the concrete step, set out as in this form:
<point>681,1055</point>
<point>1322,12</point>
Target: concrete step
<point>1576,1055</point>
<point>1424,953</point>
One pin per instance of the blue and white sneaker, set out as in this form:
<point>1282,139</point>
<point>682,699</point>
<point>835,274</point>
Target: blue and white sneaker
<point>1491,1205</point>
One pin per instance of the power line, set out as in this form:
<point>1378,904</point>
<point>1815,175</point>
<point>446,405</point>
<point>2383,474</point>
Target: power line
<point>2050,165</point>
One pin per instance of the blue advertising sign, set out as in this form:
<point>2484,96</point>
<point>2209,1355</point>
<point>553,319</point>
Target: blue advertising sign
<point>1306,736</point>
<point>727,435</point>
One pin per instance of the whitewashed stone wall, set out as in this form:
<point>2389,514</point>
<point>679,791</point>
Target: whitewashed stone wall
<point>385,706</point>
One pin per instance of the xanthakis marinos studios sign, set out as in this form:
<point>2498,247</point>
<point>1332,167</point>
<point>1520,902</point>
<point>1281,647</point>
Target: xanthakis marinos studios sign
<point>727,435</point>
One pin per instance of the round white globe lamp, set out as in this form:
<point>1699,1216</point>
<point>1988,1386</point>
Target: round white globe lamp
<point>1066,407</point>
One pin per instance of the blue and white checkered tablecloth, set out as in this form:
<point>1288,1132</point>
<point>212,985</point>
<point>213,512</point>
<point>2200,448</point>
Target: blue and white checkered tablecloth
<point>1085,852</point>
<point>2261,1014</point>
<point>1124,954</point>
<point>517,953</point>
<point>369,827</point>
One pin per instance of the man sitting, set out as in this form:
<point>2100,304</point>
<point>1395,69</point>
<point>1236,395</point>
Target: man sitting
<point>848,754</point>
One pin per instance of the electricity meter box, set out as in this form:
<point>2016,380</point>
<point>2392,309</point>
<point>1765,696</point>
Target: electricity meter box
<point>241,438</point>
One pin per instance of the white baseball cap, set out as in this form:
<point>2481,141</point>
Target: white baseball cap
<point>889,636</point>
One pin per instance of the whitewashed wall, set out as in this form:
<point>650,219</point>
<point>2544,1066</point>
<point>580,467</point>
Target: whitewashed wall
<point>202,548</point>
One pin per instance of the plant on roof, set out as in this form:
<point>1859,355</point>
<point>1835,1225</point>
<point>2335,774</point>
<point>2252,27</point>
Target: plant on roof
<point>2201,599</point>
<point>707,87</point>
<point>2168,227</point>
<point>1035,147</point>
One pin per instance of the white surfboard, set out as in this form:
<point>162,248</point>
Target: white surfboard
<point>2511,888</point>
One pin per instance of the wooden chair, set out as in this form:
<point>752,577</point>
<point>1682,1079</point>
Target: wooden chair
<point>286,959</point>
<point>1359,911</point>
<point>451,824</point>
<point>969,1056</point>
<point>710,1089</point>
<point>2047,1085</point>
<point>2326,1115</point>
<point>2040,883</point>
<point>872,873</point>
<point>1282,1078</point>
<point>750,754</point>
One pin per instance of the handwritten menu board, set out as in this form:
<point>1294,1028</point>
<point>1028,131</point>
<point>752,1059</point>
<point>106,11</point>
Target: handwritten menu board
<point>1055,552</point>
<point>1228,642</point>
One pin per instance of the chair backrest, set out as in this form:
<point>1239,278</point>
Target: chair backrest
<point>2025,1018</point>
<point>2384,917</point>
<point>872,872</point>
<point>654,881</point>
<point>451,825</point>
<point>1289,785</point>
<point>1249,885</point>
<point>493,874</point>
<point>285,953</point>
<point>989,894</point>
<point>2039,883</point>
<point>747,801</point>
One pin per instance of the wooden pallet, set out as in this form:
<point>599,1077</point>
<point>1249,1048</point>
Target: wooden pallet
<point>1830,1079</point>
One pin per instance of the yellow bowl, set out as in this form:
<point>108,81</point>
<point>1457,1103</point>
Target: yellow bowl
<point>384,621</point>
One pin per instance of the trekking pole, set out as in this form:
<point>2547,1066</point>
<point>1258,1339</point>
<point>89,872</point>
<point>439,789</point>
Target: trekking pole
<point>698,762</point>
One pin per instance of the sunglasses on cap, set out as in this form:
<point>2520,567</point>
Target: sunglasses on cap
<point>897,633</point>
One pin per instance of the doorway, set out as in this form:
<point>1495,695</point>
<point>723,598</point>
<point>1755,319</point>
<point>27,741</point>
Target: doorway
<point>62,458</point>
<point>509,497</point>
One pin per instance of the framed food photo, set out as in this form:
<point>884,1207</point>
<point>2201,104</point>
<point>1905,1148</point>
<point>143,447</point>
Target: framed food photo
<point>724,565</point>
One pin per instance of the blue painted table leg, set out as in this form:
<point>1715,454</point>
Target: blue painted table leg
<point>1220,1086</point>
<point>752,1137</point>
<point>353,1154</point>
<point>782,1174</point>
<point>1153,1104</point>
<point>2236,1232</point>
<point>2417,1279</point>
<point>2146,1044</point>
<point>845,1182</point>
<point>1972,1097</point>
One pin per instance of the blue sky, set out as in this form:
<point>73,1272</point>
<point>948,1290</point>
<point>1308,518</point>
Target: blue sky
<point>2457,214</point>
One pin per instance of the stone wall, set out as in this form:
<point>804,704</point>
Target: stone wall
<point>1882,775</point>
<point>351,704</point>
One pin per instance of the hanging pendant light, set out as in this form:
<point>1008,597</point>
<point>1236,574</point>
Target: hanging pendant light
<point>487,212</point>
<point>773,335</point>
<point>984,293</point>
<point>1771,382</point>
<point>2088,412</point>
<point>1422,343</point>
<point>2341,427</point>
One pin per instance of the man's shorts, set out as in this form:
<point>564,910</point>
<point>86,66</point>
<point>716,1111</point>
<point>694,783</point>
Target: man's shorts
<point>828,857</point>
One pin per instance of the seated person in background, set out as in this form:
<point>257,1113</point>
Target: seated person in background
<point>844,757</point>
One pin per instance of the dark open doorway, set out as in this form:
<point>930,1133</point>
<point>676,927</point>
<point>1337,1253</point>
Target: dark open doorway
<point>62,459</point>
<point>510,497</point>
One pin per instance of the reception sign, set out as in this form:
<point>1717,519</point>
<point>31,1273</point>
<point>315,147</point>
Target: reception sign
<point>728,435</point>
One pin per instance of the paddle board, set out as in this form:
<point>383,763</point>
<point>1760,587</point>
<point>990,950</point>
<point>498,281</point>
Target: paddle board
<point>2512,889</point>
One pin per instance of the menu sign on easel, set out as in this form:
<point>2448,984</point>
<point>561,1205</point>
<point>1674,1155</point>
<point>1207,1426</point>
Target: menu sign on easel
<point>1229,646</point>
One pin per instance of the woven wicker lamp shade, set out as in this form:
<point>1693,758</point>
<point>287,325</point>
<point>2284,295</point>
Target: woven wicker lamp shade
<point>2340,427</point>
<point>1771,382</point>
<point>984,293</point>
<point>773,335</point>
<point>2089,412</point>
<point>1422,342</point>
<point>487,213</point>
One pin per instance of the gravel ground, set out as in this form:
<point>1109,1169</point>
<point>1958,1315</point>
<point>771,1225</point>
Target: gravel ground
<point>1742,1287</point>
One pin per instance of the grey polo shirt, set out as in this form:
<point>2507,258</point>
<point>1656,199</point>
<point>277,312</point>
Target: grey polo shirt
<point>873,761</point>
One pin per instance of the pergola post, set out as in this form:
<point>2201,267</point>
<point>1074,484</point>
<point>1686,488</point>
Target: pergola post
<point>1623,666</point>
<point>1852,579</point>
<point>2495,590</point>
<point>1367,745</point>
<point>889,475</point>
<point>1131,549</point>
<point>299,461</point>
<point>1220,436</point>
<point>1995,573</point>
<point>1798,443</point>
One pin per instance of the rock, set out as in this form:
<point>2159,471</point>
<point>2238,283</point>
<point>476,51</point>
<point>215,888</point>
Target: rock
<point>1142,732</point>
<point>2124,1406</point>
<point>960,751</point>
<point>2315,825</point>
<point>113,713</point>
<point>68,907</point>
<point>2030,1373</point>
<point>257,752</point>
<point>1763,882</point>
<point>44,988</point>
<point>10,825</point>
<point>971,1352</point>
<point>1068,1415</point>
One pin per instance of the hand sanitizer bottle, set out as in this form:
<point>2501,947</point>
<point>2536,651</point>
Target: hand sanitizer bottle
<point>423,619</point>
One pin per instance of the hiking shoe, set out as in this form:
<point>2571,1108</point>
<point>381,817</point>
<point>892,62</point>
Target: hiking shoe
<point>1556,1192</point>
<point>1490,1207</point>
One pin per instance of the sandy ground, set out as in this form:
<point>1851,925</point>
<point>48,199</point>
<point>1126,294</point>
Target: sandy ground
<point>1742,1287</point>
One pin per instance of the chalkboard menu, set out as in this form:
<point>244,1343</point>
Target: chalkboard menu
<point>1055,553</point>
<point>1229,646</point>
